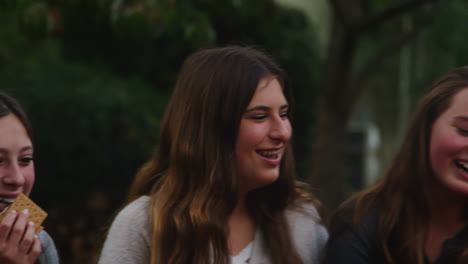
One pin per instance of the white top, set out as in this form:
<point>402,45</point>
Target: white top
<point>243,256</point>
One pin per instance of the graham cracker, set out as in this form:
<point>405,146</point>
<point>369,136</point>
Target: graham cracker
<point>36,214</point>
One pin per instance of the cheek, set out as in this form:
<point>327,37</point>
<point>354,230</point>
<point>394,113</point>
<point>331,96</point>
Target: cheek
<point>250,137</point>
<point>289,128</point>
<point>443,149</point>
<point>29,177</point>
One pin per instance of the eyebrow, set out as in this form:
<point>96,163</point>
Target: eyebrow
<point>23,149</point>
<point>265,108</point>
<point>461,118</point>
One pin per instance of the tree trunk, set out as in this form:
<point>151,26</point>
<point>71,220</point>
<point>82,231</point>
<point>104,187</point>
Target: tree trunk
<point>327,162</point>
<point>329,171</point>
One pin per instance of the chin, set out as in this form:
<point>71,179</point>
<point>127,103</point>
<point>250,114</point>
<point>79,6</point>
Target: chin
<point>461,190</point>
<point>265,181</point>
<point>458,188</point>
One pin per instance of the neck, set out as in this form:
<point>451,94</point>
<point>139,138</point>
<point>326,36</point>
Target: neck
<point>241,227</point>
<point>241,208</point>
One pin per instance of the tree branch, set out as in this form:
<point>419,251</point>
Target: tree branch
<point>339,13</point>
<point>390,13</point>
<point>388,51</point>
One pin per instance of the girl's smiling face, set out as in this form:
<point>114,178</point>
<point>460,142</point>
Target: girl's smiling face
<point>16,160</point>
<point>449,145</point>
<point>264,133</point>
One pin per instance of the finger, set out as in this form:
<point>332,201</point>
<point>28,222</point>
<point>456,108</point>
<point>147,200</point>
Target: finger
<point>19,227</point>
<point>28,238</point>
<point>7,224</point>
<point>36,249</point>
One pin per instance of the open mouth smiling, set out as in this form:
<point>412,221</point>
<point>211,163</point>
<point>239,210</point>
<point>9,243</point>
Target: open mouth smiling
<point>5,203</point>
<point>269,154</point>
<point>462,165</point>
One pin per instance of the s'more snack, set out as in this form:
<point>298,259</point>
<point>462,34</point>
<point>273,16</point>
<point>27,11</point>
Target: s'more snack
<point>36,214</point>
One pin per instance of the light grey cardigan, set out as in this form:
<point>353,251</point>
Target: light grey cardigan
<point>49,253</point>
<point>129,237</point>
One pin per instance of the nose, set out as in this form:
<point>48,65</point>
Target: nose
<point>13,175</point>
<point>280,129</point>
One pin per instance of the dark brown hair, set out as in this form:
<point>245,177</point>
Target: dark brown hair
<point>401,194</point>
<point>192,176</point>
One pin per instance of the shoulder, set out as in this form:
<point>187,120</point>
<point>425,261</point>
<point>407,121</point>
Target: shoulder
<point>134,217</point>
<point>352,242</point>
<point>303,213</point>
<point>136,210</point>
<point>343,220</point>
<point>46,240</point>
<point>303,210</point>
<point>129,237</point>
<point>49,252</point>
<point>307,230</point>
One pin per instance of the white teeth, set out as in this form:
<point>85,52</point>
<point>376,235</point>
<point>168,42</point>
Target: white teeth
<point>269,154</point>
<point>462,165</point>
<point>6,200</point>
<point>5,207</point>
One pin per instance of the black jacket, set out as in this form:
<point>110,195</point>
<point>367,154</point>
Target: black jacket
<point>351,244</point>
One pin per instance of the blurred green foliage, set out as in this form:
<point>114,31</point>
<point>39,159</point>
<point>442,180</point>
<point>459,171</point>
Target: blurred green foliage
<point>95,76</point>
<point>446,40</point>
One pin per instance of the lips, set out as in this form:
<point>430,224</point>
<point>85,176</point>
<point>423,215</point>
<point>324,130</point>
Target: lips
<point>272,157</point>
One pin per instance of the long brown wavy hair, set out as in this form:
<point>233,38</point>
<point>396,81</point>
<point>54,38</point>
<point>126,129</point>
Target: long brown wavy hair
<point>193,175</point>
<point>400,196</point>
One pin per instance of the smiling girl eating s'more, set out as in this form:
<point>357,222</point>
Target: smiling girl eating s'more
<point>18,242</point>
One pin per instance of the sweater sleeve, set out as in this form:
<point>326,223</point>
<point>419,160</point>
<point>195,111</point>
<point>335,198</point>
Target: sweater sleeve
<point>49,253</point>
<point>308,232</point>
<point>129,237</point>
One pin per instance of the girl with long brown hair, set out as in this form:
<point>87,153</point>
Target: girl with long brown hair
<point>221,186</point>
<point>418,211</point>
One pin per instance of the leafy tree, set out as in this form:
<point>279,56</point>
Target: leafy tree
<point>365,38</point>
<point>95,77</point>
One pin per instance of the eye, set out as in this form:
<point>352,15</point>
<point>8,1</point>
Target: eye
<point>258,117</point>
<point>2,161</point>
<point>25,161</point>
<point>284,114</point>
<point>462,131</point>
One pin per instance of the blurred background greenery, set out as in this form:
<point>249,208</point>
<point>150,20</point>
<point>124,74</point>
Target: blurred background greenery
<point>95,76</point>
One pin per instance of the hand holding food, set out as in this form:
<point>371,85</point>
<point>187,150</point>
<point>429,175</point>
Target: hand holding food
<point>18,226</point>
<point>36,214</point>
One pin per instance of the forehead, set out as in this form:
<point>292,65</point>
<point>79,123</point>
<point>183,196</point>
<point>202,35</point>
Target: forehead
<point>12,133</point>
<point>268,89</point>
<point>459,104</point>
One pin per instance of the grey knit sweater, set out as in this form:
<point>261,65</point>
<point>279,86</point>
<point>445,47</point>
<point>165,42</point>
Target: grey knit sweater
<point>49,252</point>
<point>129,237</point>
